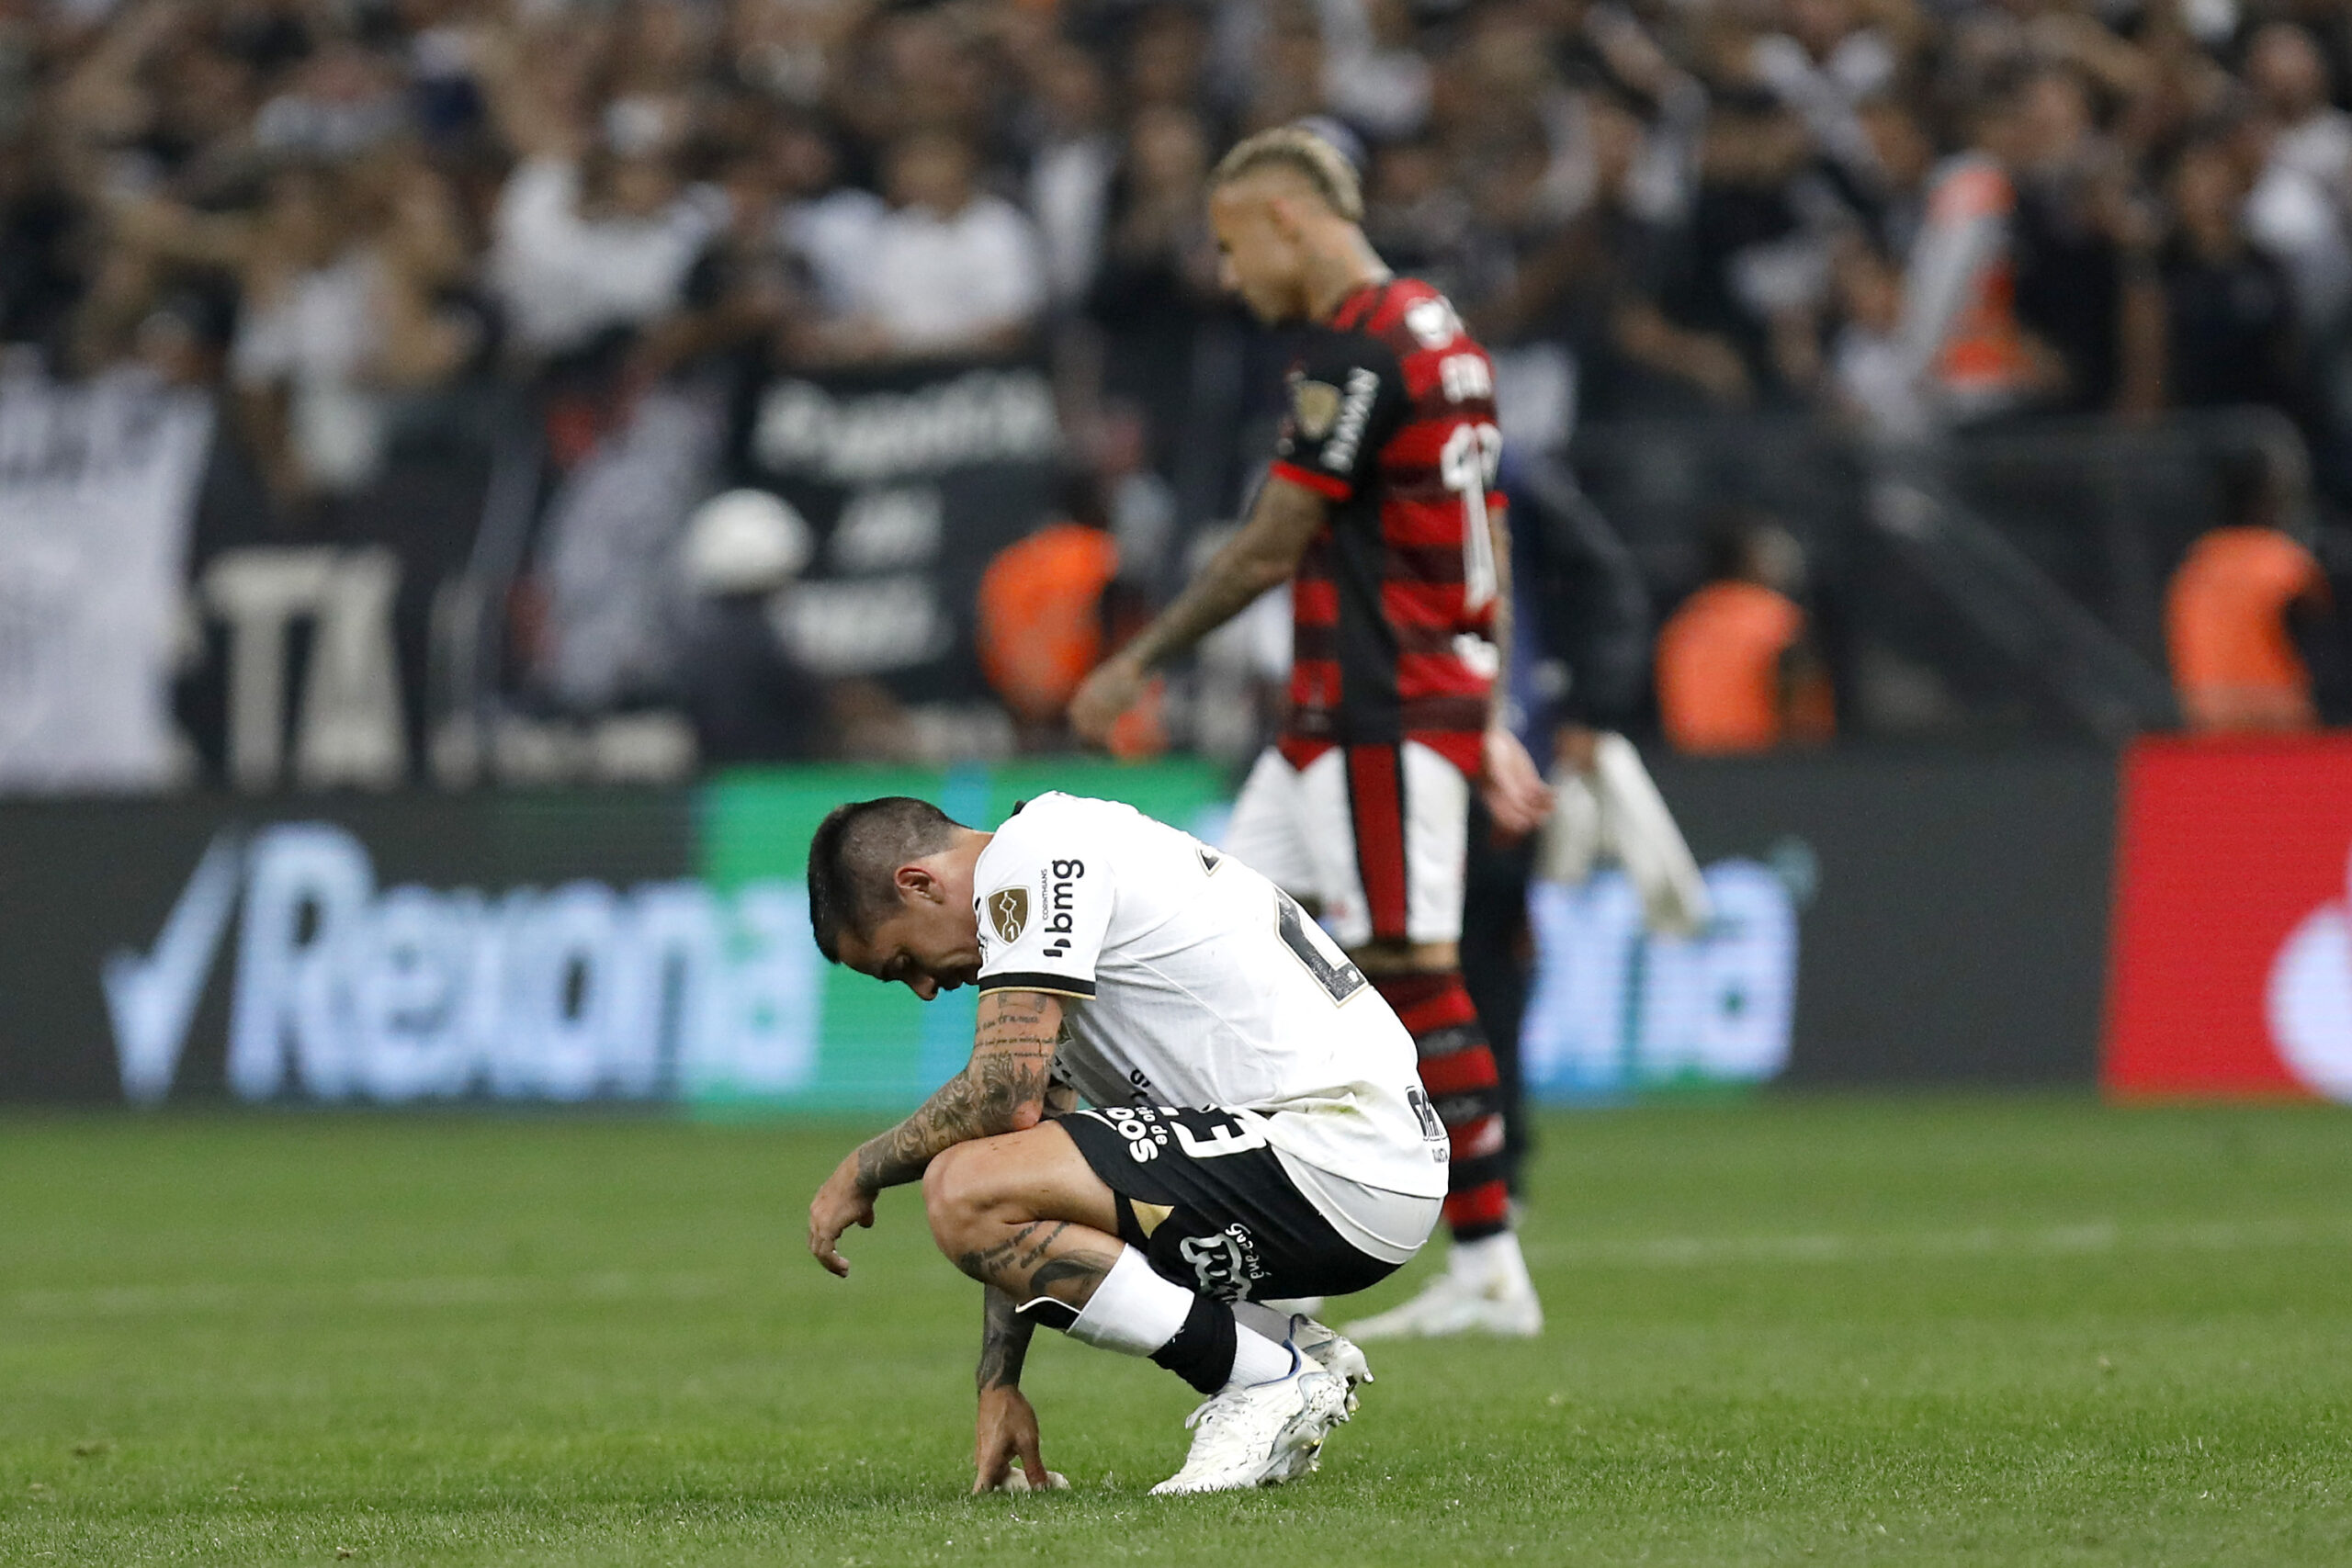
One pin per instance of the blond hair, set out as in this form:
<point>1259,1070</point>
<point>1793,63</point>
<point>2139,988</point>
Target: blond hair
<point>1299,150</point>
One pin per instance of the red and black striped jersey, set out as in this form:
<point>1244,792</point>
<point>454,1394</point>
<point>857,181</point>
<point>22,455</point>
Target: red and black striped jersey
<point>1391,417</point>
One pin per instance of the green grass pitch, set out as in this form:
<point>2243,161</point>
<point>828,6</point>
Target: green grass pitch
<point>1815,1331</point>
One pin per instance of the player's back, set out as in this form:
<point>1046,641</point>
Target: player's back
<point>1391,420</point>
<point>1202,985</point>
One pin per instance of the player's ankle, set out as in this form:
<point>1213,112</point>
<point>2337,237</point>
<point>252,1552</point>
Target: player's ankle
<point>1490,1259</point>
<point>1257,1359</point>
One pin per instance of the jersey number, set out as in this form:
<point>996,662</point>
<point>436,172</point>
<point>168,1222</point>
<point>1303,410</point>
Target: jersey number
<point>1471,456</point>
<point>1233,1137</point>
<point>1340,977</point>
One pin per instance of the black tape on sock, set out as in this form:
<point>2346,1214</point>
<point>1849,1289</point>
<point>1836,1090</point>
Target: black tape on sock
<point>1202,1352</point>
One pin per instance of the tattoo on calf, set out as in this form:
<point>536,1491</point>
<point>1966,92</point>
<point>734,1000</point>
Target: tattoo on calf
<point>1004,1341</point>
<point>1080,1270</point>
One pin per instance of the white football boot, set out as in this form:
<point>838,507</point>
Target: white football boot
<point>1333,1351</point>
<point>1485,1290</point>
<point>1262,1433</point>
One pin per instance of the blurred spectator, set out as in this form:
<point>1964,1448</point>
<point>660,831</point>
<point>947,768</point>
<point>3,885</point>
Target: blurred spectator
<point>949,270</point>
<point>346,281</point>
<point>1374,77</point>
<point>1893,193</point>
<point>40,234</point>
<point>1870,380</point>
<point>1157,284</point>
<point>1754,264</point>
<point>1070,166</point>
<point>596,230</point>
<point>2075,222</point>
<point>2230,313</point>
<point>2288,78</point>
<point>1736,671</point>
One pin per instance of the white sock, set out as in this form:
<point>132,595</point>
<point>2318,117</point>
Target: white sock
<point>1133,1310</point>
<point>1256,1359</point>
<point>1491,1260</point>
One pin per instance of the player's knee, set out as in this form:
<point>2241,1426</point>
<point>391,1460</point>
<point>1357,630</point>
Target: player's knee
<point>942,1192</point>
<point>955,1199</point>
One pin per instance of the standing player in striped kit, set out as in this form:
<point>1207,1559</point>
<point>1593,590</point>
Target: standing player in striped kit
<point>1381,510</point>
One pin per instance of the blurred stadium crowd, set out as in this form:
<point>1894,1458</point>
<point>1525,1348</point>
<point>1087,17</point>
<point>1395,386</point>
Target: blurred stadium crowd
<point>1907,220</point>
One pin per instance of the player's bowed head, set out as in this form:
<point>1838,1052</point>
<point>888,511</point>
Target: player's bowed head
<point>890,894</point>
<point>1287,212</point>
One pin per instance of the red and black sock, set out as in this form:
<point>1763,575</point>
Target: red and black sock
<point>1458,1070</point>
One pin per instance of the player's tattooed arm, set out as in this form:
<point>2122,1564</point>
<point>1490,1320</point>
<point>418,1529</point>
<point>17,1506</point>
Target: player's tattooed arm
<point>1002,1089</point>
<point>1005,1431</point>
<point>1004,1341</point>
<point>1500,632</point>
<point>1262,555</point>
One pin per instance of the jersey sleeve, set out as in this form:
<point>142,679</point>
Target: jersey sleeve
<point>1043,908</point>
<point>1340,404</point>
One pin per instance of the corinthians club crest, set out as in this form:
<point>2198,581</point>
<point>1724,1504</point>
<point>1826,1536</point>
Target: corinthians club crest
<point>1009,912</point>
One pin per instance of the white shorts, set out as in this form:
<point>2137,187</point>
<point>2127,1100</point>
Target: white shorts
<point>1374,835</point>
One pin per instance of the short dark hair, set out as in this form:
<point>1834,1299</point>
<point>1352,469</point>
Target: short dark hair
<point>855,853</point>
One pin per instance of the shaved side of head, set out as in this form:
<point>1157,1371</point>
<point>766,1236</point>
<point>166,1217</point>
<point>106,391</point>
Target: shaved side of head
<point>1303,158</point>
<point>853,860</point>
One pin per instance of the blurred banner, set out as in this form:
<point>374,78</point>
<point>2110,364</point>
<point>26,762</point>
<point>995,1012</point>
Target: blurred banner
<point>911,480</point>
<point>2233,961</point>
<point>97,487</point>
<point>521,947</point>
<point>1881,920</point>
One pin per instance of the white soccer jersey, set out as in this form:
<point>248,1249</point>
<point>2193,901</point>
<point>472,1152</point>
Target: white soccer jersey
<point>1197,983</point>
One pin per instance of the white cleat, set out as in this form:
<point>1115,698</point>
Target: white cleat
<point>1334,1351</point>
<point>1452,1303</point>
<point>1261,1434</point>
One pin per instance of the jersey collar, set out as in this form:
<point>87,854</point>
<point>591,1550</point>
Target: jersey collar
<point>1357,306</point>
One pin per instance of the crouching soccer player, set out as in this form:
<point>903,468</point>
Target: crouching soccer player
<point>1255,1127</point>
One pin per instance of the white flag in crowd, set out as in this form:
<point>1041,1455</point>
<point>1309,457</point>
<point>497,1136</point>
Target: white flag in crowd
<point>98,489</point>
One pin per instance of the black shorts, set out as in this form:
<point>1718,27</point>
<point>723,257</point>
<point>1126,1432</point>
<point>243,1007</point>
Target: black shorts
<point>1236,1227</point>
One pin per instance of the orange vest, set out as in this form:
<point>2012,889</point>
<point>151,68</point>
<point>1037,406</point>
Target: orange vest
<point>1719,672</point>
<point>2225,626</point>
<point>1040,630</point>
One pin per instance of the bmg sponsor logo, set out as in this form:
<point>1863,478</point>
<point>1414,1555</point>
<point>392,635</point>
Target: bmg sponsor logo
<point>343,989</point>
<point>1060,900</point>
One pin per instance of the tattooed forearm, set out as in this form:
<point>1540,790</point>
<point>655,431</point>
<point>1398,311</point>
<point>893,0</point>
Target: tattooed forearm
<point>1004,1341</point>
<point>1000,1090</point>
<point>1500,632</point>
<point>1262,555</point>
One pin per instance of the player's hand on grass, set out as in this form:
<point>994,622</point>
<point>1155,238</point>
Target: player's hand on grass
<point>1116,685</point>
<point>840,1203</point>
<point>1516,795</point>
<point>1006,1435</point>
